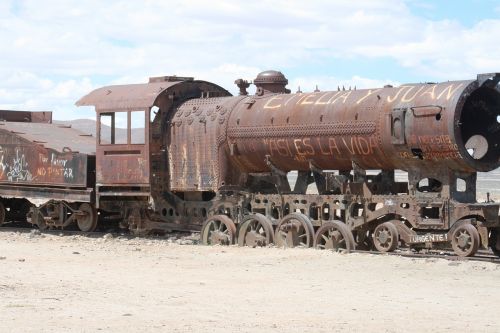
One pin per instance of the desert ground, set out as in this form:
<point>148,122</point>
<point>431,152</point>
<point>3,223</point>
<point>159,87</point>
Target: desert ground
<point>56,283</point>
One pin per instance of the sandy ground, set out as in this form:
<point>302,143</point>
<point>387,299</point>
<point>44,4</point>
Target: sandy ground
<point>54,283</point>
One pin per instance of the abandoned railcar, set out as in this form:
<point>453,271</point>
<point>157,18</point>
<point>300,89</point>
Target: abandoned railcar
<point>47,172</point>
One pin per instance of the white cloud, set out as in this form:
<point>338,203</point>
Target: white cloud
<point>185,33</point>
<point>26,91</point>
<point>447,50</point>
<point>59,50</point>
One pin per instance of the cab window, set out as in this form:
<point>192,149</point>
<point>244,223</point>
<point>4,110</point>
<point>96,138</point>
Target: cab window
<point>121,126</point>
<point>138,127</point>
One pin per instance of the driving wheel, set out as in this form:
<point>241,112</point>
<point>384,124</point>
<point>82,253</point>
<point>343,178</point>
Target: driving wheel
<point>86,219</point>
<point>255,230</point>
<point>465,240</point>
<point>385,237</point>
<point>334,235</point>
<point>218,230</point>
<point>294,230</point>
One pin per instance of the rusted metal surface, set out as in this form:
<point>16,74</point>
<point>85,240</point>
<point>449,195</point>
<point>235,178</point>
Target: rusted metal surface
<point>411,126</point>
<point>131,96</point>
<point>130,163</point>
<point>218,230</point>
<point>40,194</point>
<point>125,97</point>
<point>196,150</point>
<point>26,116</point>
<point>256,230</point>
<point>43,154</point>
<point>61,138</point>
<point>271,82</point>
<point>418,128</point>
<point>60,213</point>
<point>124,164</point>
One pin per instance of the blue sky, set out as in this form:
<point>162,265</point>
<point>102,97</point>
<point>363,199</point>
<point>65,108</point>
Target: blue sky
<point>467,12</point>
<point>54,52</point>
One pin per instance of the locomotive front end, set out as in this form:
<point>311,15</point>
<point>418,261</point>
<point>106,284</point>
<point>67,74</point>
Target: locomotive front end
<point>477,123</point>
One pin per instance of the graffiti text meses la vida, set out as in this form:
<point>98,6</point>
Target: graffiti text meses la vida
<point>404,94</point>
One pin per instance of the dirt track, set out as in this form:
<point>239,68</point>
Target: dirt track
<point>72,283</point>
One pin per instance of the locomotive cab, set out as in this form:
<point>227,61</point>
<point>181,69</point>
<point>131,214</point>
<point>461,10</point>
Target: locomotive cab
<point>122,153</point>
<point>132,163</point>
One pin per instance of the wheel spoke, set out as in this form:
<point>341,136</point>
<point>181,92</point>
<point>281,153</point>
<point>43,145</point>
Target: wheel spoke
<point>252,226</point>
<point>218,229</point>
<point>298,228</point>
<point>465,240</point>
<point>335,234</point>
<point>385,237</point>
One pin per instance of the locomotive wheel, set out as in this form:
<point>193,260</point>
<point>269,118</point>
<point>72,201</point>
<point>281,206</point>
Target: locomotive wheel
<point>219,229</point>
<point>385,237</point>
<point>293,230</point>
<point>41,223</point>
<point>255,230</point>
<point>334,235</point>
<point>494,241</point>
<point>37,220</point>
<point>2,213</point>
<point>87,221</point>
<point>465,240</point>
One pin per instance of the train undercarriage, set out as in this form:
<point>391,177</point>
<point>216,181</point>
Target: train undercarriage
<point>325,221</point>
<point>347,212</point>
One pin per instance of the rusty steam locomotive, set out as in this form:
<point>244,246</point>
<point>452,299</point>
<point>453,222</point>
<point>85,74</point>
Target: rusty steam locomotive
<point>206,160</point>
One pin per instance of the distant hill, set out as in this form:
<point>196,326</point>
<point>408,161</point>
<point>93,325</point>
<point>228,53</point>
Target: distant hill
<point>88,126</point>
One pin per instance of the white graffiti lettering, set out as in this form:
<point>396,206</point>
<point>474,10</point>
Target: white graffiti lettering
<point>68,173</point>
<point>429,238</point>
<point>3,166</point>
<point>57,161</point>
<point>19,171</point>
